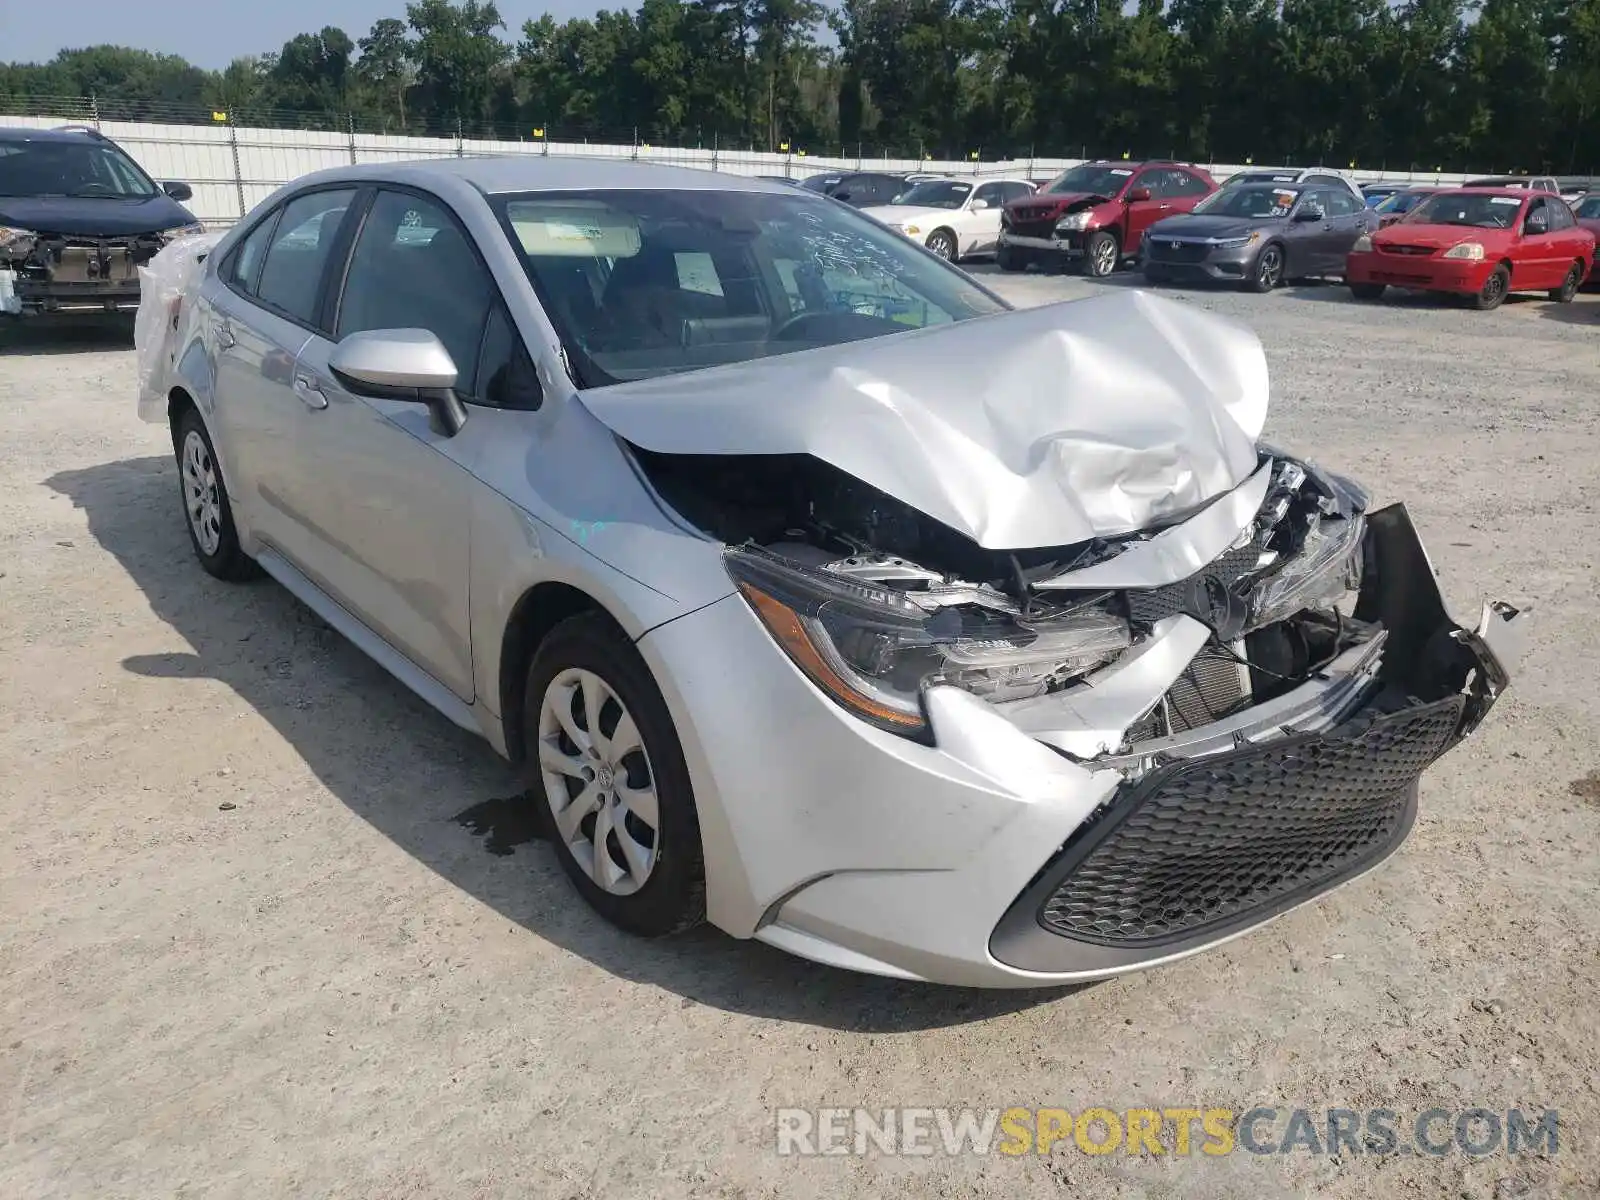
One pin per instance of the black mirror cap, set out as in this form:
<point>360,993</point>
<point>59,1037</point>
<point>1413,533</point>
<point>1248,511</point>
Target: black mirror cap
<point>178,190</point>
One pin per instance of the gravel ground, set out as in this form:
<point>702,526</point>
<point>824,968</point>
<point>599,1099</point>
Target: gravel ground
<point>248,950</point>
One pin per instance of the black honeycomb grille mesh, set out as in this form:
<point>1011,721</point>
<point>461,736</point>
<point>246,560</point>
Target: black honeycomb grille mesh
<point>1206,842</point>
<point>1156,604</point>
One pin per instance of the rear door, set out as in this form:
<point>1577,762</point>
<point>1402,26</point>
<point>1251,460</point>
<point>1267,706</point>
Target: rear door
<point>390,519</point>
<point>1348,219</point>
<point>264,313</point>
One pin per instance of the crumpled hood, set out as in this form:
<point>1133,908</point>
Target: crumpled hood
<point>93,216</point>
<point>1043,427</point>
<point>1053,201</point>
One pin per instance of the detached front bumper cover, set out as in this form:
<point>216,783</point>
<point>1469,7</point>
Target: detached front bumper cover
<point>1199,849</point>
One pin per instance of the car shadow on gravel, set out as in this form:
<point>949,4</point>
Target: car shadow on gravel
<point>75,336</point>
<point>441,794</point>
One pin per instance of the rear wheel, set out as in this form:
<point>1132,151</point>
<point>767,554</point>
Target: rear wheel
<point>1368,291</point>
<point>1100,254</point>
<point>1010,259</point>
<point>1569,286</point>
<point>1268,271</point>
<point>1494,290</point>
<point>943,243</point>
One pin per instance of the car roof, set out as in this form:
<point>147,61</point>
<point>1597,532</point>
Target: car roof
<point>495,175</point>
<point>1515,193</point>
<point>22,133</point>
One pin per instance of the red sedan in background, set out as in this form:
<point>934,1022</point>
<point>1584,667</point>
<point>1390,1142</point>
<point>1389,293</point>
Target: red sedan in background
<point>1479,242</point>
<point>1587,211</point>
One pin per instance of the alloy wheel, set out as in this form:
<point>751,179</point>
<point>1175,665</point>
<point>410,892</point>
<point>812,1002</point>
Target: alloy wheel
<point>1494,288</point>
<point>943,245</point>
<point>599,782</point>
<point>1105,256</point>
<point>1270,270</point>
<point>200,493</point>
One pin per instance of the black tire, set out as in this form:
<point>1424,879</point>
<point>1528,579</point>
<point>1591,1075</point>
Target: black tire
<point>1495,289</point>
<point>1569,287</point>
<point>1011,260</point>
<point>1368,291</point>
<point>1100,254</point>
<point>207,515</point>
<point>943,243</point>
<point>1267,273</point>
<point>673,896</point>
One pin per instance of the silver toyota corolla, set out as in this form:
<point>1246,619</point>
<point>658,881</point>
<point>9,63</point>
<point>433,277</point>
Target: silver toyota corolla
<point>822,595</point>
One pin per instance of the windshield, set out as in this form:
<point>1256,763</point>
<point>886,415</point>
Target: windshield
<point>1589,208</point>
<point>936,193</point>
<point>54,168</point>
<point>1096,180</point>
<point>1453,208</point>
<point>1402,202</point>
<point>645,283</point>
<point>1251,200</point>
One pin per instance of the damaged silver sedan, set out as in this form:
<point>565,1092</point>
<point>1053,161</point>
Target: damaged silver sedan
<point>819,594</point>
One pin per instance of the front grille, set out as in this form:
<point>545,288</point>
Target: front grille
<point>1191,595</point>
<point>1227,839</point>
<point>1031,227</point>
<point>1416,251</point>
<point>1167,251</point>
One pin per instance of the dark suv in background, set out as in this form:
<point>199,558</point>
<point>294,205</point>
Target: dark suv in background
<point>78,217</point>
<point>1096,213</point>
<point>858,189</point>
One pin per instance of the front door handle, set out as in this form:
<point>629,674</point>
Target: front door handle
<point>310,394</point>
<point>225,337</point>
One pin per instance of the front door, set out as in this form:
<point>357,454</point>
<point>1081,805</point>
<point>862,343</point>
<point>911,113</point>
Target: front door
<point>1144,213</point>
<point>982,227</point>
<point>394,497</point>
<point>1537,261</point>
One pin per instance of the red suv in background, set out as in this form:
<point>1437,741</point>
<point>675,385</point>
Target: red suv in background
<point>1096,212</point>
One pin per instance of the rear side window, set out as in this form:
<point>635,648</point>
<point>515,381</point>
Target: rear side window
<point>413,268</point>
<point>246,262</point>
<point>291,276</point>
<point>1339,202</point>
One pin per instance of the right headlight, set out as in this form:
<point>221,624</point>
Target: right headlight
<point>1073,222</point>
<point>873,650</point>
<point>16,243</point>
<point>1471,251</point>
<point>1327,567</point>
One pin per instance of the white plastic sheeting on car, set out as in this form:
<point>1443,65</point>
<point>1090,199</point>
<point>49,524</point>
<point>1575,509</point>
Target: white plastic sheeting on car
<point>163,282</point>
<point>1043,427</point>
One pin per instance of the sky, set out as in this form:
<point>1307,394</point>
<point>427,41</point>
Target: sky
<point>213,36</point>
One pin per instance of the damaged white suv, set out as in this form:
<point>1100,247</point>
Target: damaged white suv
<point>820,594</point>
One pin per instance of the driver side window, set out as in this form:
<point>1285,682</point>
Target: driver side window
<point>991,192</point>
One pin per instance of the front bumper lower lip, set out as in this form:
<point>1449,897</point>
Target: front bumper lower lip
<point>1070,245</point>
<point>1420,272</point>
<point>930,923</point>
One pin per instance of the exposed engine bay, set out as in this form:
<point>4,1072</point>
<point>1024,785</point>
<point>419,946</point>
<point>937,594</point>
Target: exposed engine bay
<point>48,272</point>
<point>896,600</point>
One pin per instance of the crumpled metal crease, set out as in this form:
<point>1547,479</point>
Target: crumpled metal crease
<point>1041,427</point>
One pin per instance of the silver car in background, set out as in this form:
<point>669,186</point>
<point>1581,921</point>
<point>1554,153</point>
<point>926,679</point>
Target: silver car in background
<point>817,592</point>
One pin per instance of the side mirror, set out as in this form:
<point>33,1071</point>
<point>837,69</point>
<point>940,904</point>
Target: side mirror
<point>979,205</point>
<point>1137,194</point>
<point>402,364</point>
<point>177,190</point>
<point>1310,212</point>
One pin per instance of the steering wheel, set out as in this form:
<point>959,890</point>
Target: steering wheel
<point>93,187</point>
<point>832,327</point>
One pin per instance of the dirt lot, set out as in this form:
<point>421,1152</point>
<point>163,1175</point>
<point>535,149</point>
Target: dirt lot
<point>247,950</point>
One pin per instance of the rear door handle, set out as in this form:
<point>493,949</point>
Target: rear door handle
<point>310,394</point>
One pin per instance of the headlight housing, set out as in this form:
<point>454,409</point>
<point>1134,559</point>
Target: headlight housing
<point>1239,243</point>
<point>1470,251</point>
<point>16,243</point>
<point>172,235</point>
<point>1363,245</point>
<point>1073,222</point>
<point>911,230</point>
<point>1328,566</point>
<point>873,650</point>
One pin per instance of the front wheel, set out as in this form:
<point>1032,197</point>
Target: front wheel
<point>1268,271</point>
<point>1493,292</point>
<point>208,515</point>
<point>1569,286</point>
<point>943,243</point>
<point>1100,254</point>
<point>604,760</point>
<point>1368,291</point>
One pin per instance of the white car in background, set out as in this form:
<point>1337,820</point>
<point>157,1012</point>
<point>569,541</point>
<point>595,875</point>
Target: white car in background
<point>955,218</point>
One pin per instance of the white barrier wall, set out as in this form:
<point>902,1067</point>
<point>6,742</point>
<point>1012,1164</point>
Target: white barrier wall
<point>232,170</point>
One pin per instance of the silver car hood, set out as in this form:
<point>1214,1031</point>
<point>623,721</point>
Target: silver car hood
<point>1042,427</point>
